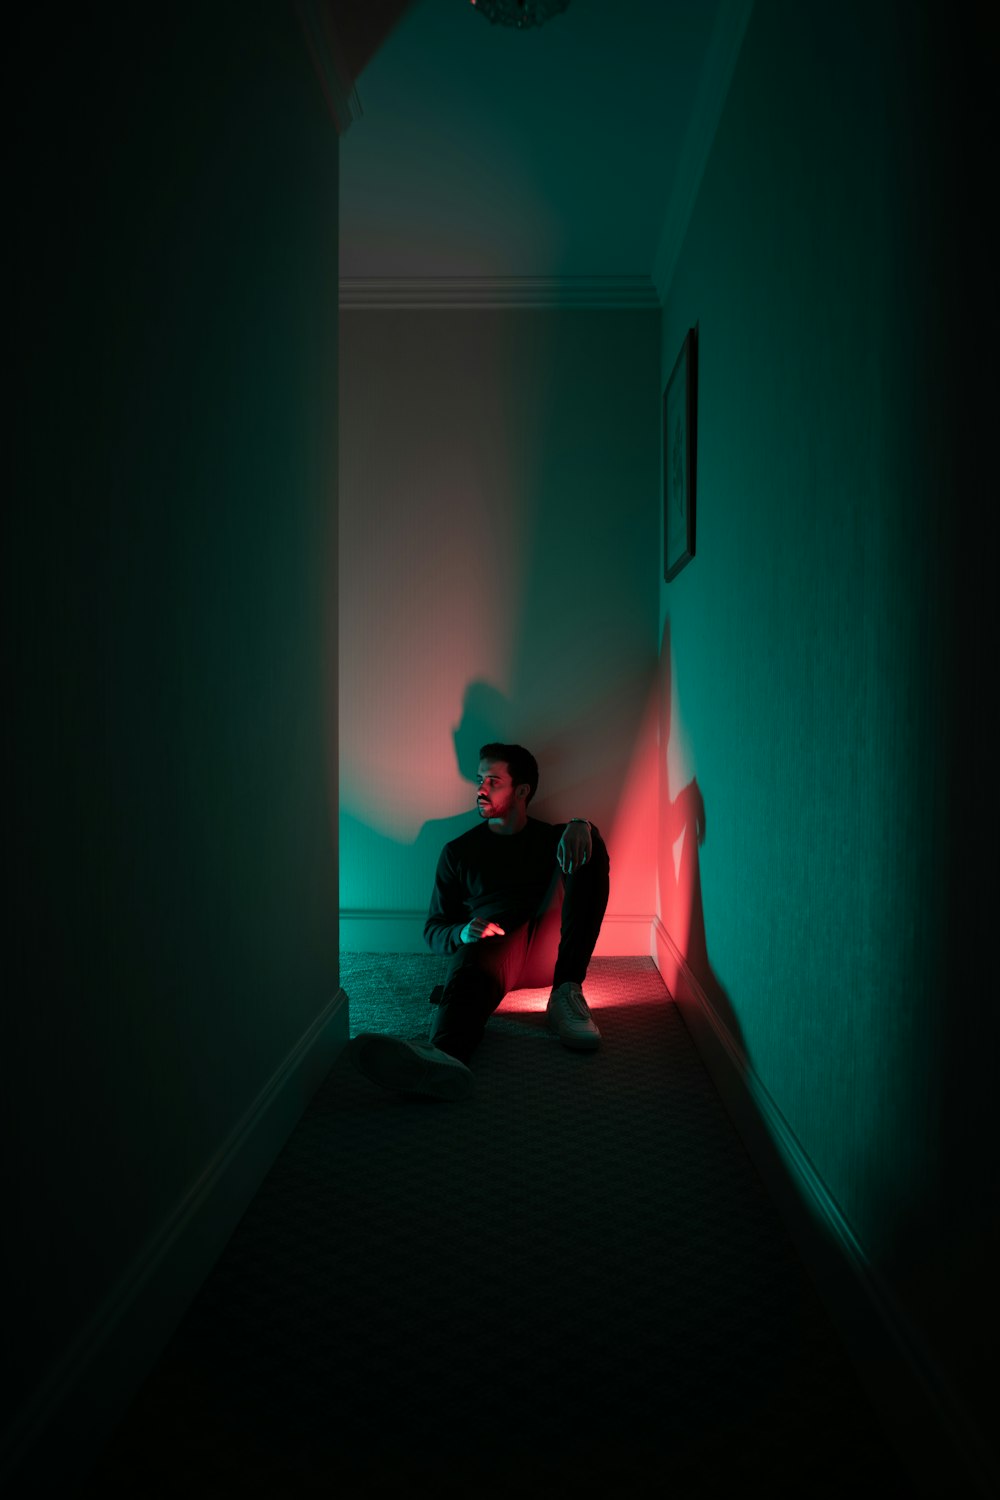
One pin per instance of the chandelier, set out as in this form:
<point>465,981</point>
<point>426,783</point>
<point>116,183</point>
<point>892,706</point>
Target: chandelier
<point>519,13</point>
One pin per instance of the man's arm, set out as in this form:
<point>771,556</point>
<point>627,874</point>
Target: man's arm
<point>447,915</point>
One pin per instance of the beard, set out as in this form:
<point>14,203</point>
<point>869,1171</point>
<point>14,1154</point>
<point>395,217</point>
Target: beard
<point>495,808</point>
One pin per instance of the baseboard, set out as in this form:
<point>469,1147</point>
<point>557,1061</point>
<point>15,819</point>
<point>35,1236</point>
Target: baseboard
<point>55,1438</point>
<point>403,932</point>
<point>622,936</point>
<point>382,932</point>
<point>919,1408</point>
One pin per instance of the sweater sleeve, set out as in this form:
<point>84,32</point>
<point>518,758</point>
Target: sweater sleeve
<point>448,914</point>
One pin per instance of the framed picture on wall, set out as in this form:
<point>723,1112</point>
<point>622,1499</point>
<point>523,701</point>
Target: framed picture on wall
<point>679,445</point>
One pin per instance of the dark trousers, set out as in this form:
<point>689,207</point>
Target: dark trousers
<point>556,945</point>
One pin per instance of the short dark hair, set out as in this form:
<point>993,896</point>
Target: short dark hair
<point>521,764</point>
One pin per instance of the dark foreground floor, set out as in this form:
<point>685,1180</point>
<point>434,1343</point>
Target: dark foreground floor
<point>572,1284</point>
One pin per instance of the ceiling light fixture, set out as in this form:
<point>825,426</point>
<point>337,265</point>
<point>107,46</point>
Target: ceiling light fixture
<point>519,13</point>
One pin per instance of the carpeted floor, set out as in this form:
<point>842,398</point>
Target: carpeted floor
<point>571,1284</point>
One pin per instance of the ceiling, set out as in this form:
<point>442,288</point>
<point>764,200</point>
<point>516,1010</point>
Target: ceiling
<point>555,152</point>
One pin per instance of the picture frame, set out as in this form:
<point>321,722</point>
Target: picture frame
<point>680,458</point>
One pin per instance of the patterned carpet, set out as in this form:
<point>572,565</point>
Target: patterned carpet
<point>571,1284</point>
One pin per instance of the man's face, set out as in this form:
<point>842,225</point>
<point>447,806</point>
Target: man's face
<point>497,796</point>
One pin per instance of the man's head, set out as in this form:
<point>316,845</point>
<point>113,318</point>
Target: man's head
<point>521,764</point>
<point>507,778</point>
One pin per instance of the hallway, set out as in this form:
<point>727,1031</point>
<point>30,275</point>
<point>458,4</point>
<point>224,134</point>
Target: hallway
<point>573,1284</point>
<point>300,502</point>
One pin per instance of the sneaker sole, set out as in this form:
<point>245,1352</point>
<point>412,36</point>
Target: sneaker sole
<point>393,1064</point>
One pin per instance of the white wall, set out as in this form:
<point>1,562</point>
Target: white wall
<point>499,503</point>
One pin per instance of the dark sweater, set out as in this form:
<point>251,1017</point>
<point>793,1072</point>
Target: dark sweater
<point>506,878</point>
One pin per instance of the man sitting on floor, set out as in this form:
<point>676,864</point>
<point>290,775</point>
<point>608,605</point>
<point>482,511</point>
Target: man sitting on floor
<point>517,904</point>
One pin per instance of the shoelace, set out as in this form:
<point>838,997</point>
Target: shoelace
<point>575,1001</point>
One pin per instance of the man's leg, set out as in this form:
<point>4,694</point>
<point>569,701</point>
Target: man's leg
<point>479,976</point>
<point>584,902</point>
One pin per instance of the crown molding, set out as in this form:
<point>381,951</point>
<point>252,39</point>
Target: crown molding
<point>498,291</point>
<point>330,61</point>
<point>724,47</point>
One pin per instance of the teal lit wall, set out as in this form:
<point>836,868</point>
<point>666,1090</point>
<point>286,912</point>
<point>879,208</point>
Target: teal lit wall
<point>170,619</point>
<point>823,655</point>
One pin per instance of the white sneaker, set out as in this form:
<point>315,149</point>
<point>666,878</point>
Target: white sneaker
<point>569,1017</point>
<point>412,1067</point>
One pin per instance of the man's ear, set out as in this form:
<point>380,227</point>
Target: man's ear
<point>523,791</point>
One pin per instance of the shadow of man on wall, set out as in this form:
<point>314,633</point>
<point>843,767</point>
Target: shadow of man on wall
<point>486,716</point>
<point>683,828</point>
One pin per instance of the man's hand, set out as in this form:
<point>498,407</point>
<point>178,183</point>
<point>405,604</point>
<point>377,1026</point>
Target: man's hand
<point>575,847</point>
<point>480,928</point>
